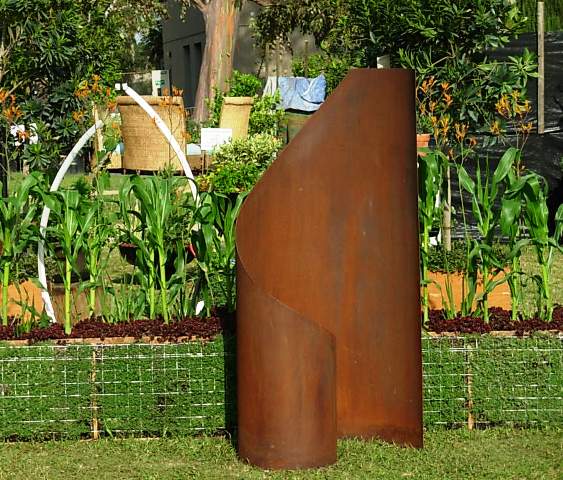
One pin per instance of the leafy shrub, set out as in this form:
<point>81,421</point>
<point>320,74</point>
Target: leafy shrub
<point>265,116</point>
<point>333,68</point>
<point>238,165</point>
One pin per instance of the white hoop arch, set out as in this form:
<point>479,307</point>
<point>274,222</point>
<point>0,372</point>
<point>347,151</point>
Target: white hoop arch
<point>65,166</point>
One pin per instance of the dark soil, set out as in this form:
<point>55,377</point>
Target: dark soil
<point>499,321</point>
<point>191,328</point>
<point>223,322</point>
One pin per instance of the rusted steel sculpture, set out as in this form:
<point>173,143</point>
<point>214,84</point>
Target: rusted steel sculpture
<point>328,282</point>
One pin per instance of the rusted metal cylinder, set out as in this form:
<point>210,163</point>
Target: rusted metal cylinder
<point>328,312</point>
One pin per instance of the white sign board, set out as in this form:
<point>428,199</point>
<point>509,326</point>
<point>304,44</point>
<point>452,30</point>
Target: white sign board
<point>213,137</point>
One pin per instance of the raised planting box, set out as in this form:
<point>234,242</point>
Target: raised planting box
<point>141,389</point>
<point>84,390</point>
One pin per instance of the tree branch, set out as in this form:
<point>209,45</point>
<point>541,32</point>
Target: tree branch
<point>200,4</point>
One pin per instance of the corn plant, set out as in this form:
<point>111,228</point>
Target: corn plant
<point>125,300</point>
<point>511,227</point>
<point>97,225</point>
<point>484,192</point>
<point>535,192</point>
<point>67,209</point>
<point>227,212</point>
<point>134,232</point>
<point>429,185</point>
<point>17,215</point>
<point>156,212</point>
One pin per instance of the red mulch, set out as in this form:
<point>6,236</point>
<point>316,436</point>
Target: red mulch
<point>499,321</point>
<point>201,328</point>
<point>220,321</point>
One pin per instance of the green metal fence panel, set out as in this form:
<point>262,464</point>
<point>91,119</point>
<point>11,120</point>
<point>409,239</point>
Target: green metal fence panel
<point>144,389</point>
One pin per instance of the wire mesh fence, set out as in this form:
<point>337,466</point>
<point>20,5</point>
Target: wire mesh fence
<point>482,381</point>
<point>87,391</point>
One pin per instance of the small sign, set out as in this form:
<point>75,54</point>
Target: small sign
<point>213,137</point>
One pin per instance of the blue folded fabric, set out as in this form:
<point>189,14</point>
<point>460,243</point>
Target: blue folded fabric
<point>300,93</point>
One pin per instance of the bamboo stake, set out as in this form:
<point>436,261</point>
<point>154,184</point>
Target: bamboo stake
<point>541,69</point>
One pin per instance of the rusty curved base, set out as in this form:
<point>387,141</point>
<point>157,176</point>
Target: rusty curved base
<point>328,331</point>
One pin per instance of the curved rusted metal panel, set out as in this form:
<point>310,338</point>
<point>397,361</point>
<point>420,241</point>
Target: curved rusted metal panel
<point>328,330</point>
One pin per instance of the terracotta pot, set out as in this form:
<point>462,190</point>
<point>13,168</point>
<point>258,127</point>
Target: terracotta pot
<point>30,293</point>
<point>499,297</point>
<point>422,140</point>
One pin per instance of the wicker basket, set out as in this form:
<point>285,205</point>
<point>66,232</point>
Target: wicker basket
<point>146,149</point>
<point>235,115</point>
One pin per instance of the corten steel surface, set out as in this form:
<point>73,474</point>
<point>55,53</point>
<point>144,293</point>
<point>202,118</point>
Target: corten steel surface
<point>328,282</point>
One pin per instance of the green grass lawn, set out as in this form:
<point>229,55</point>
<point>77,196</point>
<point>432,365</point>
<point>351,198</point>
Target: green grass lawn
<point>487,454</point>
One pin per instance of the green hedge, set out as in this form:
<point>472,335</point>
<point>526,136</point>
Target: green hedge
<point>54,391</point>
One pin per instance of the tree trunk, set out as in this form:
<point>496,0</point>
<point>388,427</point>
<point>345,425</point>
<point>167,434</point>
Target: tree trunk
<point>221,23</point>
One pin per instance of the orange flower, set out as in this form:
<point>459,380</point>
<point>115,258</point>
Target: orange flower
<point>460,131</point>
<point>447,99</point>
<point>526,128</point>
<point>445,86</point>
<point>472,141</point>
<point>12,113</point>
<point>78,116</point>
<point>503,107</point>
<point>495,128</point>
<point>522,109</point>
<point>3,95</point>
<point>445,125</point>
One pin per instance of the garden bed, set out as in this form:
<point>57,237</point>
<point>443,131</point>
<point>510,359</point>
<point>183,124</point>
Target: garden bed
<point>96,328</point>
<point>167,382</point>
<point>500,321</point>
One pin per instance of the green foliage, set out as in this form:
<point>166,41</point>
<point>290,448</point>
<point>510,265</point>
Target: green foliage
<point>366,29</point>
<point>244,85</point>
<point>480,255</point>
<point>430,171</point>
<point>49,48</point>
<point>333,68</point>
<point>265,116</point>
<point>17,219</point>
<point>65,232</point>
<point>455,260</point>
<point>238,165</point>
<point>534,193</point>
